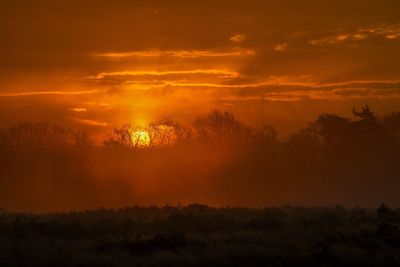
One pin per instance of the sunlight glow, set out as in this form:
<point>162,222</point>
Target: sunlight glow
<point>141,138</point>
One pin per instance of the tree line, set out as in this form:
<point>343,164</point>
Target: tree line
<point>217,159</point>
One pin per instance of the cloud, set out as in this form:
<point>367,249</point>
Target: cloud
<point>101,104</point>
<point>340,38</point>
<point>389,32</point>
<point>281,47</point>
<point>238,38</point>
<point>222,72</point>
<point>35,93</point>
<point>310,93</point>
<point>151,79</point>
<point>90,122</point>
<point>292,91</point>
<point>78,109</point>
<point>238,52</point>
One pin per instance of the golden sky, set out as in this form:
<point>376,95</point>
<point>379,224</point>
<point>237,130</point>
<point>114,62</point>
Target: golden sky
<point>97,64</point>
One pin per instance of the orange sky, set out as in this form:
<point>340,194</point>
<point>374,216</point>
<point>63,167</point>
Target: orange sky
<point>97,64</point>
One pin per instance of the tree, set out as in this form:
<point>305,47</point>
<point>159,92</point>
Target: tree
<point>392,123</point>
<point>265,136</point>
<point>29,136</point>
<point>82,139</point>
<point>364,114</point>
<point>123,138</point>
<point>332,128</point>
<point>168,132</point>
<point>368,128</point>
<point>162,133</point>
<point>221,129</point>
<point>304,146</point>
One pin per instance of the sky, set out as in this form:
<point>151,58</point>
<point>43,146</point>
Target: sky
<point>98,64</point>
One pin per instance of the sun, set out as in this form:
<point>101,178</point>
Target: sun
<point>141,138</point>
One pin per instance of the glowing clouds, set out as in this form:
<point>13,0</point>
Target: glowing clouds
<point>237,52</point>
<point>388,32</point>
<point>238,38</point>
<point>90,122</point>
<point>281,47</point>
<point>78,109</point>
<point>222,72</point>
<point>149,79</point>
<point>38,93</point>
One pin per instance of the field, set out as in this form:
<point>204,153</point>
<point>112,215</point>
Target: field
<point>198,235</point>
<point>200,133</point>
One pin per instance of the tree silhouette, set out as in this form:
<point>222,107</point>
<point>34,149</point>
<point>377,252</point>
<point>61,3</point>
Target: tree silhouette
<point>304,146</point>
<point>364,114</point>
<point>168,132</point>
<point>30,136</point>
<point>222,129</point>
<point>392,123</point>
<point>122,138</point>
<point>367,128</point>
<point>162,133</point>
<point>338,158</point>
<point>332,128</point>
<point>265,136</point>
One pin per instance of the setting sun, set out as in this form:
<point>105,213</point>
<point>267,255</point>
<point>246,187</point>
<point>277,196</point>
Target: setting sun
<point>141,138</point>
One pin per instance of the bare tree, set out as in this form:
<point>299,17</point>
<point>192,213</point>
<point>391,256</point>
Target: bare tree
<point>265,136</point>
<point>30,136</point>
<point>163,132</point>
<point>168,132</point>
<point>222,129</point>
<point>128,136</point>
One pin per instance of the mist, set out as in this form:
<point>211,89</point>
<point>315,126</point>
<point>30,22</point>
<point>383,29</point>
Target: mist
<point>216,160</point>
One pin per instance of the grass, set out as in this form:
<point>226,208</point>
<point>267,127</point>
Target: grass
<point>198,235</point>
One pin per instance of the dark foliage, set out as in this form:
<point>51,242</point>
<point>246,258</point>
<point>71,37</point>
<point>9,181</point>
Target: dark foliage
<point>197,235</point>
